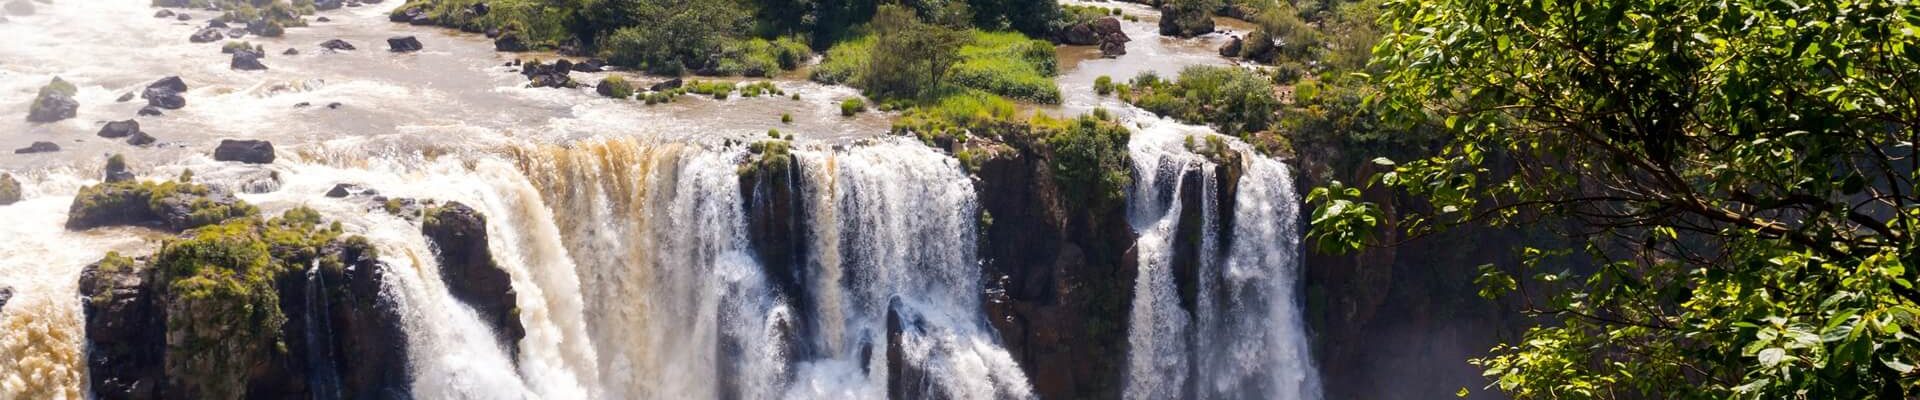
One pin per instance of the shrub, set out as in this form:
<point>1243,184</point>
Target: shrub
<point>849,107</point>
<point>844,63</point>
<point>786,118</point>
<point>1089,158</point>
<point>1103,85</point>
<point>1234,100</point>
<point>1008,64</point>
<point>615,86</point>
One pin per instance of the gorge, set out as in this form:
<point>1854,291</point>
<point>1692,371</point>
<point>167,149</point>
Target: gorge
<point>470,237</point>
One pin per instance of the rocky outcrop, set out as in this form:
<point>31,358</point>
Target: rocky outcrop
<point>141,139</point>
<point>247,60</point>
<point>459,236</point>
<point>403,44</point>
<point>207,35</point>
<point>244,151</point>
<point>54,103</point>
<point>125,327</point>
<point>1103,32</point>
<point>345,190</point>
<point>1060,273</point>
<point>509,41</point>
<point>167,93</point>
<point>38,147</point>
<point>1185,22</point>
<point>167,206</point>
<point>771,197</point>
<point>907,381</point>
<point>369,343</point>
<point>6,294</point>
<point>119,129</point>
<point>10,191</point>
<point>336,45</point>
<point>549,75</point>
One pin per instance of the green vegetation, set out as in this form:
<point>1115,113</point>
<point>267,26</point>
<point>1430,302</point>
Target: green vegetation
<point>1007,64</point>
<point>177,205</point>
<point>1002,63</point>
<point>849,107</point>
<point>615,86</point>
<point>1090,159</point>
<point>1234,100</point>
<point>1729,173</point>
<point>1103,85</point>
<point>786,118</point>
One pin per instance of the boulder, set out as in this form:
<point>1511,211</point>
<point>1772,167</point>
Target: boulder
<point>167,93</point>
<point>216,23</point>
<point>368,334</point>
<point>407,16</point>
<point>19,7</point>
<point>1232,48</point>
<point>116,170</point>
<point>149,111</point>
<point>670,84</point>
<point>6,293</point>
<point>208,35</point>
<point>509,41</point>
<point>144,204</point>
<point>266,28</point>
<point>336,44</point>
<point>236,33</point>
<point>124,98</point>
<point>403,44</point>
<point>459,236</point>
<point>183,17</point>
<point>10,191</point>
<point>322,19</point>
<point>591,65</point>
<point>38,147</point>
<point>164,13</point>
<point>125,329</point>
<point>54,103</point>
<point>344,190</point>
<point>1186,22</point>
<point>141,139</point>
<point>244,151</point>
<point>119,129</point>
<point>247,60</point>
<point>290,52</point>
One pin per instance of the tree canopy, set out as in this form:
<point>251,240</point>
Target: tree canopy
<point>1737,176</point>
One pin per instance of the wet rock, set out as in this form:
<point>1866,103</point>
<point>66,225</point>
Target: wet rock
<point>492,33</point>
<point>670,84</point>
<point>333,106</point>
<point>1232,48</point>
<point>302,105</point>
<point>407,16</point>
<point>324,5</point>
<point>216,23</point>
<point>403,44</point>
<point>421,20</point>
<point>10,191</point>
<point>323,19</point>
<point>167,93</point>
<point>38,147</point>
<point>183,17</point>
<point>459,235</point>
<point>591,65</point>
<point>150,111</point>
<point>247,60</point>
<point>141,139</point>
<point>350,189</point>
<point>290,52</point>
<point>1185,22</point>
<point>132,203</point>
<point>236,33</point>
<point>336,44</point>
<point>115,171</point>
<point>479,9</point>
<point>549,76</point>
<point>6,293</point>
<point>119,129</point>
<point>906,380</point>
<point>244,151</point>
<point>55,102</point>
<point>368,333</point>
<point>125,329</point>
<point>163,14</point>
<point>124,98</point>
<point>19,8</point>
<point>266,28</point>
<point>207,35</point>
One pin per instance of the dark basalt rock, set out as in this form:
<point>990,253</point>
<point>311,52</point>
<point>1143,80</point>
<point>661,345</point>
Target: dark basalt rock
<point>183,17</point>
<point>290,52</point>
<point>350,189</point>
<point>125,329</point>
<point>322,19</point>
<point>403,44</point>
<point>906,380</point>
<point>247,60</point>
<point>368,335</point>
<point>245,151</point>
<point>590,65</point>
<point>115,171</point>
<point>509,42</point>
<point>119,129</point>
<point>207,35</point>
<point>38,147</point>
<point>163,14</point>
<point>459,235</point>
<point>670,84</point>
<point>1184,22</point>
<point>407,16</point>
<point>10,191</point>
<point>150,111</point>
<point>141,139</point>
<point>336,44</point>
<point>236,33</point>
<point>550,76</point>
<point>6,293</point>
<point>167,93</point>
<point>1232,48</point>
<point>124,98</point>
<point>216,23</point>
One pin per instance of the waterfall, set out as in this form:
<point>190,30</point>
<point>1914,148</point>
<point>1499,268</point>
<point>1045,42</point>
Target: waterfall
<point>1242,335</point>
<point>318,332</point>
<point>897,236</point>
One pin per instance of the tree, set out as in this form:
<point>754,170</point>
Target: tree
<point>1739,174</point>
<point>911,57</point>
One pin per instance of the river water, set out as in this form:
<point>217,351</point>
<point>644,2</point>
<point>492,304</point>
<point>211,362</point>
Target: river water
<point>621,225</point>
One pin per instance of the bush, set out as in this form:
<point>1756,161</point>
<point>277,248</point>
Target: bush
<point>1090,159</point>
<point>1103,85</point>
<point>786,118</point>
<point>844,63</point>
<point>615,86</point>
<point>955,114</point>
<point>1008,64</point>
<point>1234,100</point>
<point>849,107</point>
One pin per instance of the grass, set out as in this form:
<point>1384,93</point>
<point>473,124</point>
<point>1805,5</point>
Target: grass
<point>1002,63</point>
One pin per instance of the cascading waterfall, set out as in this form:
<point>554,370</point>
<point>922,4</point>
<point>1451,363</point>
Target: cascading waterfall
<point>896,235</point>
<point>318,332</point>
<point>1244,337</point>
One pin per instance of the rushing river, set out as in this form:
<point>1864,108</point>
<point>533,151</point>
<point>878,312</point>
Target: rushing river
<point>622,225</point>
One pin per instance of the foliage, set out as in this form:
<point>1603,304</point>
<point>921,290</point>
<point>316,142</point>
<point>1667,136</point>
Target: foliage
<point>1740,172</point>
<point>910,57</point>
<point>1234,100</point>
<point>1008,64</point>
<point>844,62</point>
<point>1103,85</point>
<point>849,107</point>
<point>616,87</point>
<point>1090,159</point>
<point>954,114</point>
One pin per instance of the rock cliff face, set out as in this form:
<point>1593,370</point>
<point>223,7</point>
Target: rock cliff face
<point>1059,275</point>
<point>466,265</point>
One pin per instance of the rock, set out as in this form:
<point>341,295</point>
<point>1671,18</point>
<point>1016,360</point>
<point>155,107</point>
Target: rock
<point>368,333</point>
<point>302,105</point>
<point>333,106</point>
<point>141,139</point>
<point>55,102</point>
<point>19,7</point>
<point>492,33</point>
<point>150,111</point>
<point>403,44</point>
<point>323,19</point>
<point>216,23</point>
<point>38,147</point>
<point>266,28</point>
<point>290,52</point>
<point>1232,48</point>
<point>165,93</point>
<point>344,190</point>
<point>509,41</point>
<point>421,20</point>
<point>670,84</point>
<point>550,76</point>
<point>324,5</point>
<point>1185,22</point>
<point>244,151</point>
<point>10,191</point>
<point>479,9</point>
<point>459,235</point>
<point>124,98</point>
<point>164,13</point>
<point>125,329</point>
<point>207,35</point>
<point>247,60</point>
<point>132,203</point>
<point>119,129</point>
<point>407,16</point>
<point>6,293</point>
<point>1113,49</point>
<point>183,17</point>
<point>591,65</point>
<point>116,171</point>
<point>336,44</point>
<point>236,33</point>
<point>905,379</point>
